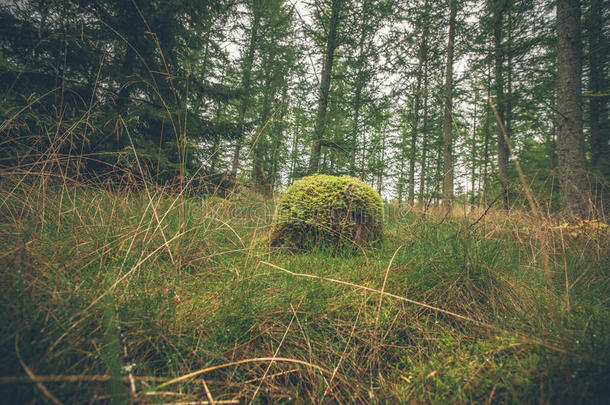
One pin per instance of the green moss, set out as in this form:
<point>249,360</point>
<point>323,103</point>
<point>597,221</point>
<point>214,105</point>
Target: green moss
<point>328,210</point>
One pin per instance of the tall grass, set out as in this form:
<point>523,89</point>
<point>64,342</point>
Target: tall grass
<point>128,292</point>
<point>113,295</point>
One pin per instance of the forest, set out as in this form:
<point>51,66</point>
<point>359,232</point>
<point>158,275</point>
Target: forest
<point>304,201</point>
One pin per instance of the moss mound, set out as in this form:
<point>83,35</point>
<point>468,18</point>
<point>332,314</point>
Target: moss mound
<point>328,210</point>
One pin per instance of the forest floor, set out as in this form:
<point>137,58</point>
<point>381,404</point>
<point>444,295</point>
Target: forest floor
<point>154,298</point>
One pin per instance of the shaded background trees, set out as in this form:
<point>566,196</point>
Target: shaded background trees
<point>95,79</point>
<point>265,91</point>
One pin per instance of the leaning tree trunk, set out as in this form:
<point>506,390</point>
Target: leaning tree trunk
<point>448,116</point>
<point>574,190</point>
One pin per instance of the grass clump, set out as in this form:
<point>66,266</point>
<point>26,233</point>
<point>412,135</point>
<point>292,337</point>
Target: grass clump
<point>323,210</point>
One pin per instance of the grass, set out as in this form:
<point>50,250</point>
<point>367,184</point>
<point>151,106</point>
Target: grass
<point>117,296</point>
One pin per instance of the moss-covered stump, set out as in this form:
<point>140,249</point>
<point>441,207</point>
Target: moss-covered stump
<point>322,210</point>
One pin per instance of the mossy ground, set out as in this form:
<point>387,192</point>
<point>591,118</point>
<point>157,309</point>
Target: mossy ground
<point>95,284</point>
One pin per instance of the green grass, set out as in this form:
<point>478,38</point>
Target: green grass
<point>93,291</point>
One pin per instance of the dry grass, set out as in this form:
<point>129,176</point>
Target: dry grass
<point>125,291</point>
<point>126,294</point>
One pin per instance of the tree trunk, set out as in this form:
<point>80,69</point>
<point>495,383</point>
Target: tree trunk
<point>215,142</point>
<point>600,140</point>
<point>422,56</point>
<point>245,83</point>
<point>277,140</point>
<point>422,176</point>
<point>473,151</point>
<point>358,92</point>
<point>382,162</point>
<point>448,115</point>
<point>486,140</point>
<point>574,190</point>
<point>498,16</point>
<point>259,175</point>
<point>438,172</point>
<point>355,129</point>
<point>327,67</point>
<point>508,107</point>
<point>401,169</point>
<point>294,153</point>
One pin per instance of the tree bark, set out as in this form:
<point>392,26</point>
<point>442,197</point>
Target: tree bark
<point>574,190</point>
<point>327,67</point>
<point>294,155</point>
<point>424,151</point>
<point>382,162</point>
<point>448,115</point>
<point>420,63</point>
<point>246,81</point>
<point>600,147</point>
<point>277,141</point>
<point>358,91</point>
<point>498,17</point>
<point>473,152</point>
<point>401,169</point>
<point>259,146</point>
<point>508,106</point>
<point>486,139</point>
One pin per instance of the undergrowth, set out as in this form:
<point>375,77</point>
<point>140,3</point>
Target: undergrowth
<point>111,295</point>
